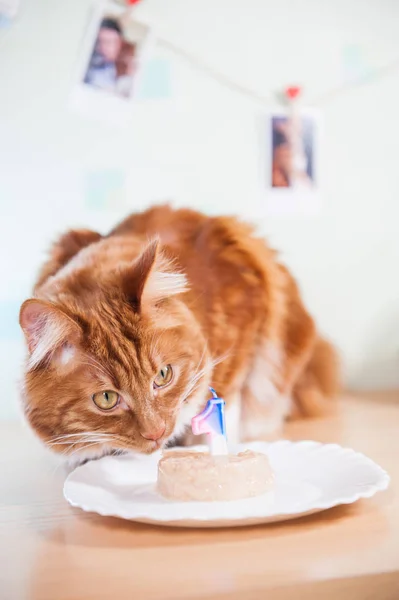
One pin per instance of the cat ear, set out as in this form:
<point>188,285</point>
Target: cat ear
<point>152,278</point>
<point>46,328</point>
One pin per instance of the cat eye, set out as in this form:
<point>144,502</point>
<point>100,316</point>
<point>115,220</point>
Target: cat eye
<point>106,400</point>
<point>164,377</point>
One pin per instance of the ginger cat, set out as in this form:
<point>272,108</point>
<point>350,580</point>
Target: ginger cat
<point>126,333</point>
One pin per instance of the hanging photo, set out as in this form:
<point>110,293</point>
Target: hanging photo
<point>292,146</point>
<point>110,63</point>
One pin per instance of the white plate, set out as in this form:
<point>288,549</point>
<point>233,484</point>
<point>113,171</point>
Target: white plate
<point>309,477</point>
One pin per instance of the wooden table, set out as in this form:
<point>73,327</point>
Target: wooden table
<point>50,551</point>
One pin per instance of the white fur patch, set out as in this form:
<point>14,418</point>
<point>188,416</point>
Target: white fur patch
<point>265,374</point>
<point>75,460</point>
<point>267,406</point>
<point>164,280</point>
<point>66,355</point>
<point>162,284</point>
<point>52,335</point>
<point>266,423</point>
<point>233,419</point>
<point>44,330</point>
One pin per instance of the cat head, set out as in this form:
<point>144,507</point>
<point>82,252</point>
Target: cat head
<point>115,362</point>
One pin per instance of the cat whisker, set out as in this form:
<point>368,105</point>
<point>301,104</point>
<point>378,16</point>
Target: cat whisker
<point>96,363</point>
<point>77,434</point>
<point>219,359</point>
<point>66,452</point>
<point>194,388</point>
<point>67,435</point>
<point>155,343</point>
<point>200,360</point>
<point>73,437</point>
<point>85,432</point>
<point>199,374</point>
<point>88,445</point>
<point>79,441</point>
<point>195,380</point>
<point>196,373</point>
<point>97,368</point>
<point>194,384</point>
<point>92,362</point>
<point>85,441</point>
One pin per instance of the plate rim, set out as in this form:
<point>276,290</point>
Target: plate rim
<point>143,517</point>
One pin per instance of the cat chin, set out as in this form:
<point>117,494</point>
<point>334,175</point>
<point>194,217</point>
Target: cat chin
<point>85,455</point>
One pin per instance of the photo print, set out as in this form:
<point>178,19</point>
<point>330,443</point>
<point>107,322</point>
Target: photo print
<point>291,157</point>
<point>110,62</point>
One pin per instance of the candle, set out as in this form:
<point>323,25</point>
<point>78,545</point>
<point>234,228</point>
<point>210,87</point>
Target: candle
<point>212,422</point>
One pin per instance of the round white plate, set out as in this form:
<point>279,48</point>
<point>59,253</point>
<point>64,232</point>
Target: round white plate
<point>309,477</point>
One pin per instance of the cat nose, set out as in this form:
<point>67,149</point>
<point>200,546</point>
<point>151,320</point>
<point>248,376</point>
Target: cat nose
<point>154,435</point>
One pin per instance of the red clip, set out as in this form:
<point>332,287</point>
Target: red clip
<point>131,2</point>
<point>293,92</point>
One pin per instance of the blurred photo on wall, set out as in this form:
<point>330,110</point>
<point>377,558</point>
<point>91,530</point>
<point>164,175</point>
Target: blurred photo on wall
<point>110,61</point>
<point>292,152</point>
<point>291,157</point>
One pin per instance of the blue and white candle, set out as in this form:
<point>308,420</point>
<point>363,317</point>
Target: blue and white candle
<point>212,422</point>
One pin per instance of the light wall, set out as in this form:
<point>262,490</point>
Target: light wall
<point>202,148</point>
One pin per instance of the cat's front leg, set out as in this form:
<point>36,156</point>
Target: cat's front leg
<point>263,415</point>
<point>264,404</point>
